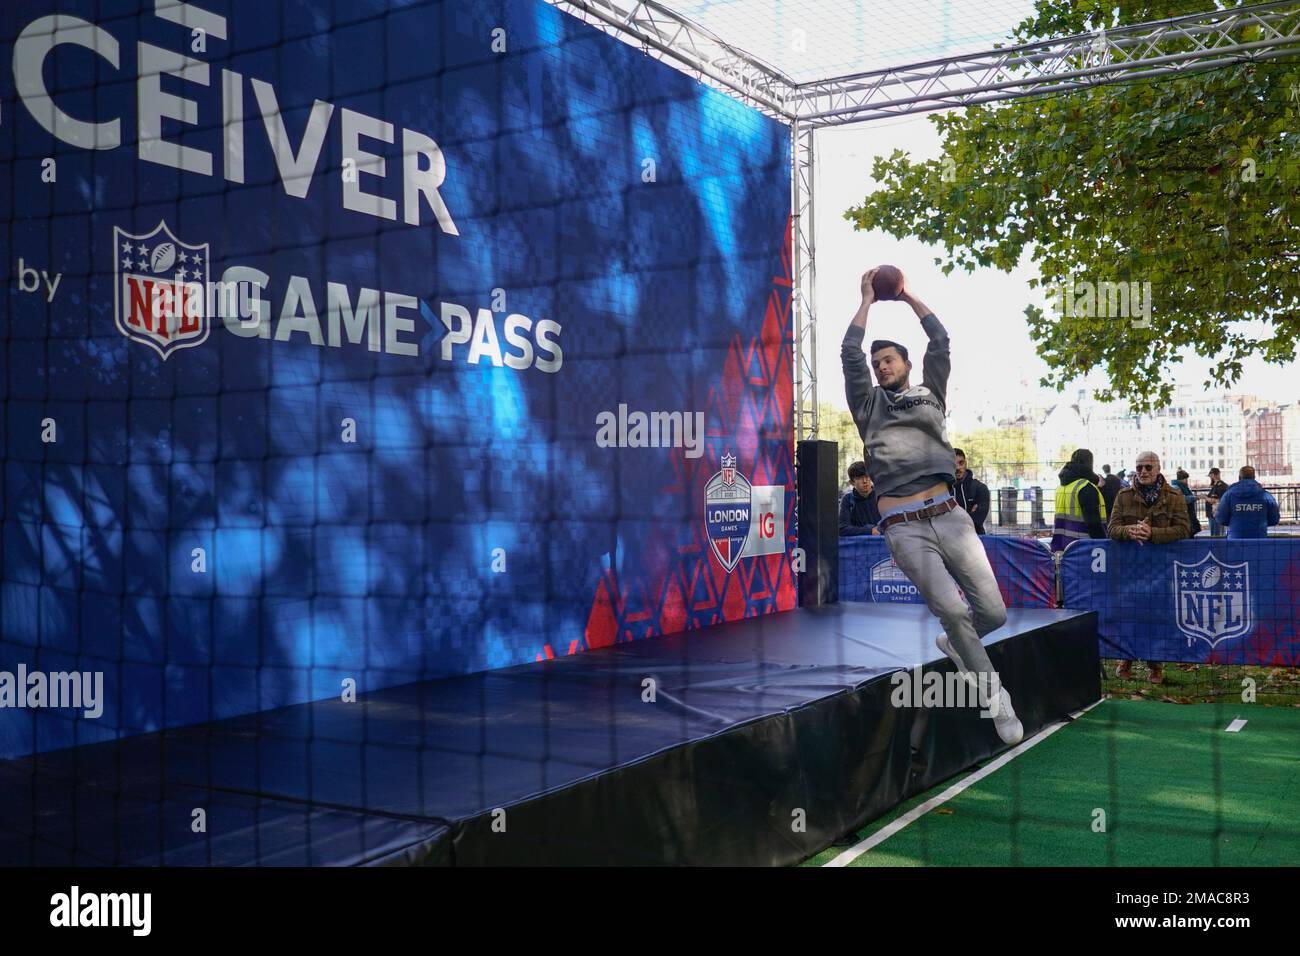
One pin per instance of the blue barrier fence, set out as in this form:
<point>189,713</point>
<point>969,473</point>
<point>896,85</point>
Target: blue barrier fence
<point>1024,568</point>
<point>1210,601</point>
<point>1202,601</point>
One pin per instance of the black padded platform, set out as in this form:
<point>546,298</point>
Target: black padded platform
<point>754,725</point>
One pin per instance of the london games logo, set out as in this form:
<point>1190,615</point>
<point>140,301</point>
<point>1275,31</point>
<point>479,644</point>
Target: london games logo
<point>890,584</point>
<point>742,520</point>
<point>160,290</point>
<point>1212,599</point>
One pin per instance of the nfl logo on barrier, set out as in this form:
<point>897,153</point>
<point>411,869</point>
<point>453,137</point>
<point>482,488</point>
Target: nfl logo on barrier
<point>159,290</point>
<point>1212,599</point>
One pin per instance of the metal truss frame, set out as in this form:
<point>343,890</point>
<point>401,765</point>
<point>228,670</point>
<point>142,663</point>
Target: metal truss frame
<point>1178,45</point>
<point>803,272</point>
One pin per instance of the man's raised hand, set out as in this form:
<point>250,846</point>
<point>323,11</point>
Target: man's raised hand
<point>908,296</point>
<point>868,290</point>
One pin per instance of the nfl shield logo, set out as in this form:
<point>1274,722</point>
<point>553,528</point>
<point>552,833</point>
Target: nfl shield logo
<point>1213,599</point>
<point>727,507</point>
<point>159,290</point>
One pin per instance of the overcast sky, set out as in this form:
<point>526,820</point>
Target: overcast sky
<point>983,311</point>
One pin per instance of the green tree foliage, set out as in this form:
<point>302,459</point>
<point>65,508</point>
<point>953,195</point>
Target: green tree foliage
<point>999,455</point>
<point>836,424</point>
<point>1064,452</point>
<point>1191,183</point>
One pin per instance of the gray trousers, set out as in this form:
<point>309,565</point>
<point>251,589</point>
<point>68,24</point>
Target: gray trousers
<point>938,555</point>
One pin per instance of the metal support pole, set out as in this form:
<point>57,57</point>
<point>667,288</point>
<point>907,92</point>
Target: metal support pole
<point>803,241</point>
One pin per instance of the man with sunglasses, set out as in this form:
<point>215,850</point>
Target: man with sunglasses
<point>1151,512</point>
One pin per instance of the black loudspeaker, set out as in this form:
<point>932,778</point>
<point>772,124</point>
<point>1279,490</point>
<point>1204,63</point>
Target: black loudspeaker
<point>816,478</point>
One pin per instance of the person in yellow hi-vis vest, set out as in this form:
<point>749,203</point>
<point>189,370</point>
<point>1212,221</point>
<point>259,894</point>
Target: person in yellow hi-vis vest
<point>1080,508</point>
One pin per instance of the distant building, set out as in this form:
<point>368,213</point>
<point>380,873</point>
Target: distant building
<point>1196,432</point>
<point>1202,433</point>
<point>1118,436</point>
<point>1062,425</point>
<point>1265,442</point>
<point>1291,435</point>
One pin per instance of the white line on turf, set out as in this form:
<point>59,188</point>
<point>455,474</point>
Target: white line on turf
<point>1235,726</point>
<point>894,826</point>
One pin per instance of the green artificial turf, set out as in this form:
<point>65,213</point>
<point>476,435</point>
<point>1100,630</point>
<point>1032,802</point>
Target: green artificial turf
<point>1175,788</point>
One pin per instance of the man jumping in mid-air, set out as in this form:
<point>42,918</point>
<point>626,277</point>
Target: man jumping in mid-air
<point>931,539</point>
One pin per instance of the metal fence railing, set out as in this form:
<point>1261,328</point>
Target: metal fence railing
<point>1030,511</point>
<point>1288,501</point>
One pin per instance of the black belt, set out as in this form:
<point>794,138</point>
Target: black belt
<point>931,512</point>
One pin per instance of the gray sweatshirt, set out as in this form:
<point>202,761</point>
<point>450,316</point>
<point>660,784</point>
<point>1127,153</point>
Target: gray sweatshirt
<point>903,433</point>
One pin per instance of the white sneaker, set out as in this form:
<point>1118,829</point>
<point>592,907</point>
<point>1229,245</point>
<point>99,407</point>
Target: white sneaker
<point>1005,720</point>
<point>1004,717</point>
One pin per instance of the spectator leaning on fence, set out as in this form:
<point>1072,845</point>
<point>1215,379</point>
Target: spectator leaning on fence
<point>1151,512</point>
<point>1080,507</point>
<point>859,513</point>
<point>1246,509</point>
<point>971,493</point>
<point>1110,487</point>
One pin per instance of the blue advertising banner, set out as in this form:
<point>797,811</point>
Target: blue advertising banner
<point>372,342</point>
<point>1197,601</point>
<point>1023,566</point>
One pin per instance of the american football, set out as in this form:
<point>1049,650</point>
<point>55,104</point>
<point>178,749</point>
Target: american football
<point>887,283</point>
<point>163,257</point>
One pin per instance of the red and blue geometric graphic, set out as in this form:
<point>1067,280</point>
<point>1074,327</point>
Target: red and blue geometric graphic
<point>681,586</point>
